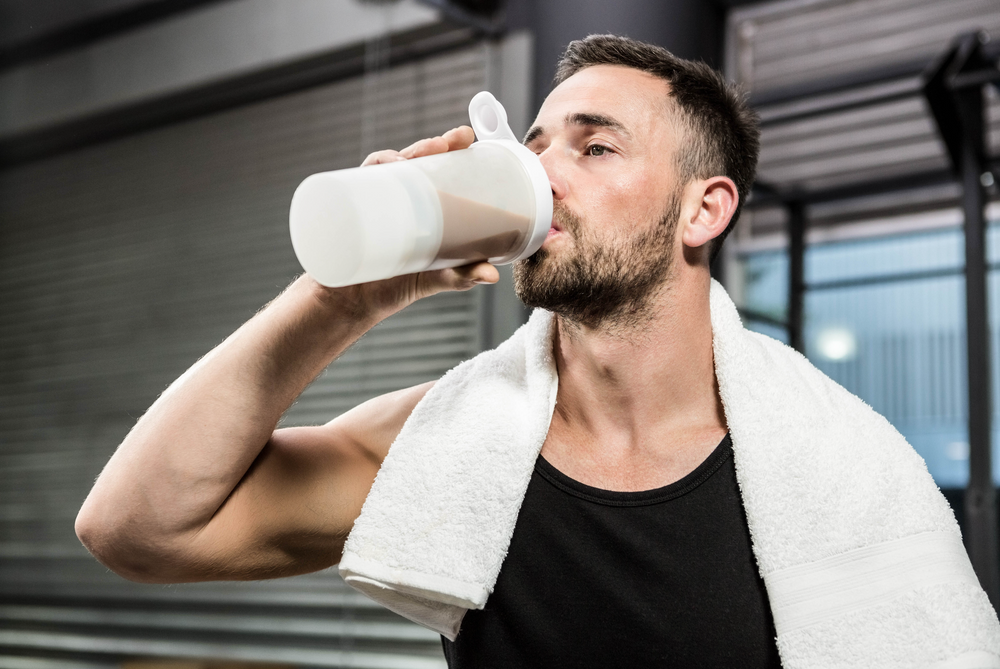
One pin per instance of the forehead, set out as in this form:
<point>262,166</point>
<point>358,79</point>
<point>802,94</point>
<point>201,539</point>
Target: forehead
<point>636,99</point>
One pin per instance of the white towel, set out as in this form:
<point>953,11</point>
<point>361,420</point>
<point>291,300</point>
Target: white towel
<point>860,553</point>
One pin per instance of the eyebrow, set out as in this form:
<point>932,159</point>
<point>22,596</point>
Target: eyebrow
<point>582,118</point>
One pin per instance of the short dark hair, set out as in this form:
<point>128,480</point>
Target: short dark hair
<point>724,129</point>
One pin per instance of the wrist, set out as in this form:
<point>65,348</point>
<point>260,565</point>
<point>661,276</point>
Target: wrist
<point>357,304</point>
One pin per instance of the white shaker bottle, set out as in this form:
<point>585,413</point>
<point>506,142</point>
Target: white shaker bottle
<point>491,202</point>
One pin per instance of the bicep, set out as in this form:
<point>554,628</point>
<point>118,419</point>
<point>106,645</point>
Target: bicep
<point>292,511</point>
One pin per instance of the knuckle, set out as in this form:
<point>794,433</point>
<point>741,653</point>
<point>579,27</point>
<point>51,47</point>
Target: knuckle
<point>378,157</point>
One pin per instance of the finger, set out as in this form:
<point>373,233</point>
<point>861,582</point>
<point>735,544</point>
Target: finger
<point>425,147</point>
<point>458,278</point>
<point>461,137</point>
<point>480,272</point>
<point>457,138</point>
<point>380,157</point>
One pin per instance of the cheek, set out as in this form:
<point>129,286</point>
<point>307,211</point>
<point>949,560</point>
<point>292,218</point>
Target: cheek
<point>632,198</point>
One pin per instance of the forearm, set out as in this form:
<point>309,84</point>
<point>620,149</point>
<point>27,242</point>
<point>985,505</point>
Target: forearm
<point>190,450</point>
<point>202,487</point>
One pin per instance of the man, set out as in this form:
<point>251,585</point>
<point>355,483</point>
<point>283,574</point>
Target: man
<point>631,547</point>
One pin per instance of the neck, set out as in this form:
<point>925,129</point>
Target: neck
<point>641,393</point>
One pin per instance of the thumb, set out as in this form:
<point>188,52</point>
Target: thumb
<point>458,278</point>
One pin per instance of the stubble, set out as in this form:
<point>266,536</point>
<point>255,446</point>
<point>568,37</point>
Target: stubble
<point>601,285</point>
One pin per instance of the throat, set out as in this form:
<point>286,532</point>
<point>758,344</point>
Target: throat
<point>618,465</point>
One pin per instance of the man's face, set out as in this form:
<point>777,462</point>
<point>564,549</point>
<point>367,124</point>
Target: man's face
<point>607,139</point>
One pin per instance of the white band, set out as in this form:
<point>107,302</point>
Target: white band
<point>977,659</point>
<point>808,594</point>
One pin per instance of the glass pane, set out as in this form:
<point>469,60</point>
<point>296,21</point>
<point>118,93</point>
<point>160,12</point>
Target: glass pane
<point>887,256</point>
<point>993,242</point>
<point>897,343</point>
<point>765,292</point>
<point>894,338</point>
<point>900,347</point>
<point>993,296</point>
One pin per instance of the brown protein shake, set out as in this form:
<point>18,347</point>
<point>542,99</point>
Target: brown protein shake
<point>475,231</point>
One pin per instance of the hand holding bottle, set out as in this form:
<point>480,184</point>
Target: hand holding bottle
<point>439,204</point>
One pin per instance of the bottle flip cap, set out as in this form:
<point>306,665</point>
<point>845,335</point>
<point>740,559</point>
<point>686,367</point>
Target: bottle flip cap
<point>489,121</point>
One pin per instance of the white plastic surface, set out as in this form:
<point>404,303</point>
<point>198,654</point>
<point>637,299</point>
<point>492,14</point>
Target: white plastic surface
<point>489,121</point>
<point>365,223</point>
<point>489,118</point>
<point>369,223</point>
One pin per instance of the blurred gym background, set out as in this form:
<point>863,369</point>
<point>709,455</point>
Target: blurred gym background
<point>148,153</point>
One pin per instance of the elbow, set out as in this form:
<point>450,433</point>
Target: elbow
<point>93,531</point>
<point>105,542</point>
<point>120,550</point>
<point>86,530</point>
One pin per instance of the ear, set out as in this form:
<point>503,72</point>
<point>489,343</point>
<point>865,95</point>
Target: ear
<point>716,199</point>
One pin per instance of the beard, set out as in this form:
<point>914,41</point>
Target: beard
<point>606,285</point>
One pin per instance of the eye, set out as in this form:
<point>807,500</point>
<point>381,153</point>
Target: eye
<point>597,150</point>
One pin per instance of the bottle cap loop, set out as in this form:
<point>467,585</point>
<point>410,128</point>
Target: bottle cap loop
<point>489,118</point>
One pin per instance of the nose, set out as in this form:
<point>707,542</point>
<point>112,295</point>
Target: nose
<point>555,172</point>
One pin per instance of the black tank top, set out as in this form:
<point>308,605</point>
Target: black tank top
<point>602,579</point>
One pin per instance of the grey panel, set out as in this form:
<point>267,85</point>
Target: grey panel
<point>869,143</point>
<point>120,265</point>
<point>781,44</point>
<point>795,45</point>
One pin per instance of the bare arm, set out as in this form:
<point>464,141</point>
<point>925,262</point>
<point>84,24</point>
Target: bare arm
<point>204,487</point>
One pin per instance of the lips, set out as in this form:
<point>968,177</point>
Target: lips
<point>558,227</point>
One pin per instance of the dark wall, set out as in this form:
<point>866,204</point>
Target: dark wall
<point>688,28</point>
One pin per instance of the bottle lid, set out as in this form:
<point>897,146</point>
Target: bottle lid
<point>489,121</point>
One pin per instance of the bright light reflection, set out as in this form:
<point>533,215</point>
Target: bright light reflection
<point>957,450</point>
<point>836,343</point>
